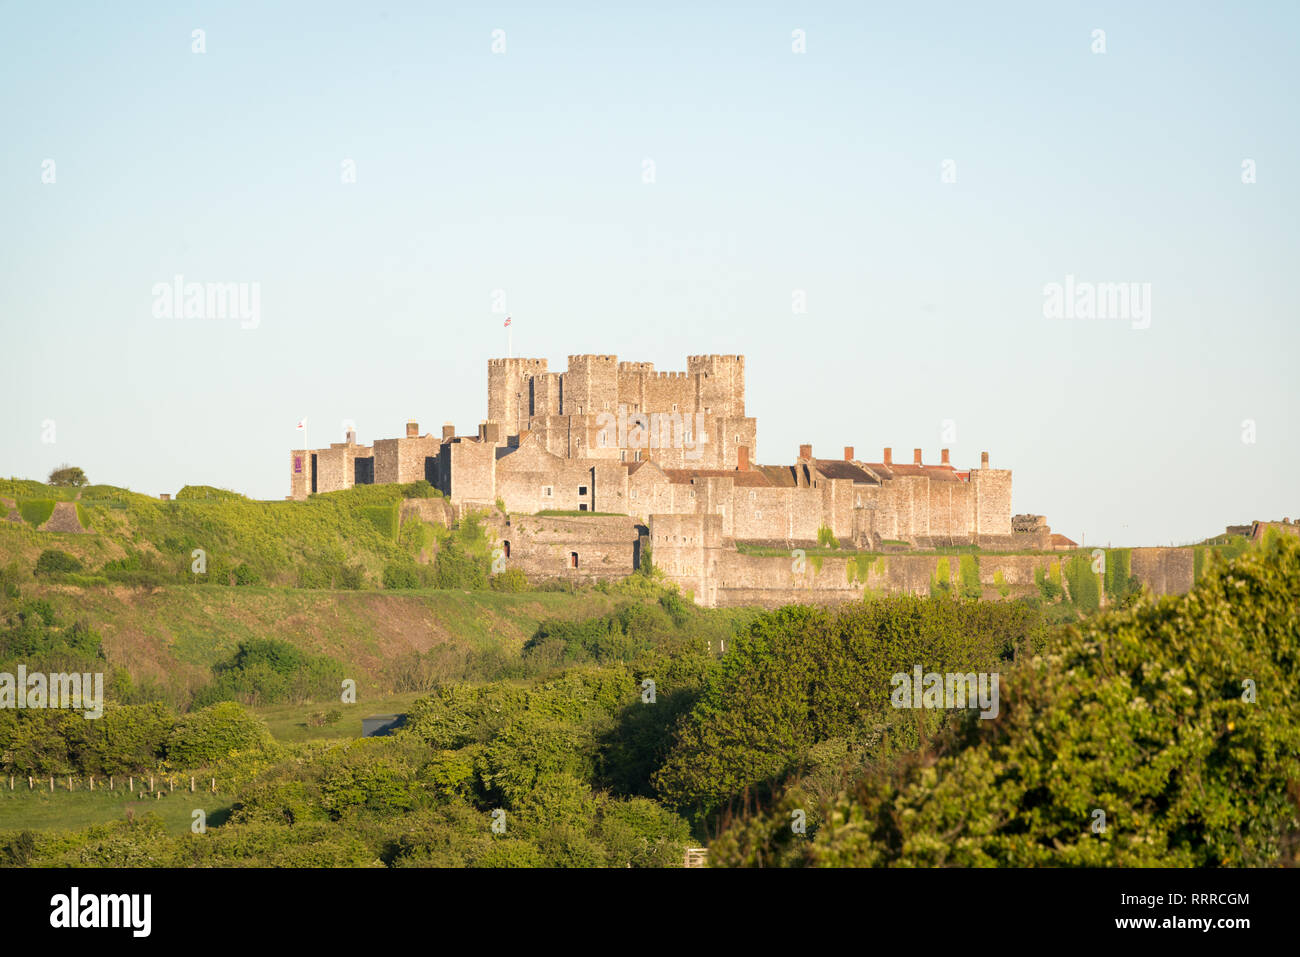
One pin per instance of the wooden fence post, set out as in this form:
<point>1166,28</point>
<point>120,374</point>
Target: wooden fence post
<point>191,784</point>
<point>92,782</point>
<point>131,782</point>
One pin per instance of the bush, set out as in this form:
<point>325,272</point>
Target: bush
<point>510,580</point>
<point>420,489</point>
<point>401,575</point>
<point>55,562</point>
<point>352,577</point>
<point>206,737</point>
<point>457,568</point>
<point>272,671</point>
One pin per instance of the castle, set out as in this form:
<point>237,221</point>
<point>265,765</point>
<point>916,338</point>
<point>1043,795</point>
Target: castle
<point>672,454</point>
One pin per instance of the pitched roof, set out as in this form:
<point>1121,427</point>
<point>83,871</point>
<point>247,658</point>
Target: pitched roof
<point>940,473</point>
<point>748,478</point>
<point>840,469</point>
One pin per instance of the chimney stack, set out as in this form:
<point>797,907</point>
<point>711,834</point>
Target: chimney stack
<point>889,456</point>
<point>448,431</point>
<point>916,456</point>
<point>742,458</point>
<point>984,460</point>
<point>352,436</point>
<point>944,460</point>
<point>412,429</point>
<point>848,453</point>
<point>805,451</point>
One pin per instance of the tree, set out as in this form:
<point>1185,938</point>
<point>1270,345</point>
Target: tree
<point>68,476</point>
<point>1165,734</point>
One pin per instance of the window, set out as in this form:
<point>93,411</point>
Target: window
<point>638,455</point>
<point>692,493</point>
<point>506,547</point>
<point>582,490</point>
<point>573,559</point>
<point>601,438</point>
<point>548,491</point>
<point>674,406</point>
<point>582,506</point>
<point>753,495</point>
<point>622,456</point>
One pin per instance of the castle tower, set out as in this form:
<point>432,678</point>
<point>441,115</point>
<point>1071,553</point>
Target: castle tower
<point>510,385</point>
<point>591,385</point>
<point>719,384</point>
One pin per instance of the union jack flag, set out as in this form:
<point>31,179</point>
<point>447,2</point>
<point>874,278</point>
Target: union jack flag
<point>507,320</point>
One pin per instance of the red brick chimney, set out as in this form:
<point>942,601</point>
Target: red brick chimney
<point>805,451</point>
<point>848,453</point>
<point>889,456</point>
<point>984,460</point>
<point>742,458</point>
<point>412,429</point>
<point>916,456</point>
<point>945,461</point>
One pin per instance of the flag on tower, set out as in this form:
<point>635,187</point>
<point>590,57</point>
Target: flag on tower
<point>507,320</point>
<point>302,426</point>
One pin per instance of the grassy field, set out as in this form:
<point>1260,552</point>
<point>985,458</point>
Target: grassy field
<point>291,723</point>
<point>63,810</point>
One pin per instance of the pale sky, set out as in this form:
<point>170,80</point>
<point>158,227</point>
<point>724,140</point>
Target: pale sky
<point>775,174</point>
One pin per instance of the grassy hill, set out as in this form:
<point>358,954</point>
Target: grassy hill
<point>311,573</point>
<point>308,544</point>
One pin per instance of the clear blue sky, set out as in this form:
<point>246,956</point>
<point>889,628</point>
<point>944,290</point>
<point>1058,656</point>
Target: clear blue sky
<point>774,171</point>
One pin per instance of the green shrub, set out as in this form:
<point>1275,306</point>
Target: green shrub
<point>510,580</point>
<point>55,562</point>
<point>420,489</point>
<point>401,575</point>
<point>272,671</point>
<point>205,737</point>
<point>456,567</point>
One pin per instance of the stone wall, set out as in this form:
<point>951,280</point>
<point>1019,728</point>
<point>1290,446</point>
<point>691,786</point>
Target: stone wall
<point>544,547</point>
